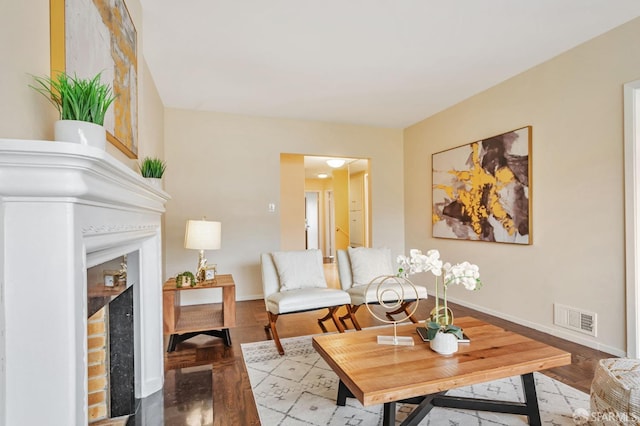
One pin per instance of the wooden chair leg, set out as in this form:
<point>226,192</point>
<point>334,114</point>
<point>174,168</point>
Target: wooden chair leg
<point>404,308</point>
<point>323,319</point>
<point>274,332</point>
<point>400,310</point>
<point>332,314</point>
<point>267,331</point>
<point>344,322</point>
<point>407,311</point>
<point>352,315</point>
<point>333,311</point>
<point>344,318</point>
<point>321,323</point>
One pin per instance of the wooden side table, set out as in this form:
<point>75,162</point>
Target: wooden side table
<point>213,319</point>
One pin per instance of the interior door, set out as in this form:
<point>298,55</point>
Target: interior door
<point>312,222</point>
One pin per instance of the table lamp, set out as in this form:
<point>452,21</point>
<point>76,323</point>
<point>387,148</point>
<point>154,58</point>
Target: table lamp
<point>202,235</point>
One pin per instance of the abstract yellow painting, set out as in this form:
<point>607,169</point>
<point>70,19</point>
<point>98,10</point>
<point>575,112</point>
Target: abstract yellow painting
<point>482,192</point>
<point>98,36</point>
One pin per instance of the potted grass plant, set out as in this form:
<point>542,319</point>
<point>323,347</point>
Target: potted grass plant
<point>82,104</point>
<point>152,169</point>
<point>185,279</point>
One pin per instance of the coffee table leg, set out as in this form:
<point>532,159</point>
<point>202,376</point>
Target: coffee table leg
<point>531,399</point>
<point>529,408</point>
<point>420,412</point>
<point>343,394</point>
<point>389,414</point>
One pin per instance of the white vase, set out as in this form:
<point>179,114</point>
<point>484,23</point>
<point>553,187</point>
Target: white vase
<point>444,343</point>
<point>81,132</point>
<point>155,182</point>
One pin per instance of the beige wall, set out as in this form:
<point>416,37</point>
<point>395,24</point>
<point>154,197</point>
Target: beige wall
<point>25,114</point>
<point>227,167</point>
<point>292,202</point>
<point>574,103</point>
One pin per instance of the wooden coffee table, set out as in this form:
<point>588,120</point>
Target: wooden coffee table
<point>383,374</point>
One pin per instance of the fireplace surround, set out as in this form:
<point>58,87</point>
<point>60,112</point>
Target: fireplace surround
<point>64,208</point>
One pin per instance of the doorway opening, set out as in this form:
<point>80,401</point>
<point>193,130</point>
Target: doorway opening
<point>336,200</point>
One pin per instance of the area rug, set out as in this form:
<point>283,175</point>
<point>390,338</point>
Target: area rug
<point>299,388</point>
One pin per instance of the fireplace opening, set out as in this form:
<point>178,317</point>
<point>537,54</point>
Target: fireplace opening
<point>110,342</point>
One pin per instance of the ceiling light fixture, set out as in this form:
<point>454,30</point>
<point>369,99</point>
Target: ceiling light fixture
<point>322,175</point>
<point>335,163</point>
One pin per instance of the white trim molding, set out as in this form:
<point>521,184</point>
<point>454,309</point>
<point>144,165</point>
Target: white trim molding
<point>554,331</point>
<point>632,211</point>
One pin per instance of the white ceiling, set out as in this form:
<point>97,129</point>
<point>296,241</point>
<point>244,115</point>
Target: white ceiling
<point>385,63</point>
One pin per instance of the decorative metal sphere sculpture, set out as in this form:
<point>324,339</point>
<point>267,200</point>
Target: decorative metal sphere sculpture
<point>392,292</point>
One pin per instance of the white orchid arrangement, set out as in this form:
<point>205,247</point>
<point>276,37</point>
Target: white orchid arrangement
<point>463,273</point>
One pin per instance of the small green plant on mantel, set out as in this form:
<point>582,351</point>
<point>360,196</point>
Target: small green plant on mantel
<point>185,278</point>
<point>152,168</point>
<point>76,98</point>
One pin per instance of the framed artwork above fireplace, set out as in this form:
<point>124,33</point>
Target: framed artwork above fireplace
<point>98,36</point>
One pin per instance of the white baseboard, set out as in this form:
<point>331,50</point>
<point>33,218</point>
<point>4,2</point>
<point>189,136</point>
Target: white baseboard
<point>250,297</point>
<point>554,331</point>
<point>557,332</point>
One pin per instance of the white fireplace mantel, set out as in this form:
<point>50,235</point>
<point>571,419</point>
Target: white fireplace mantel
<point>63,208</point>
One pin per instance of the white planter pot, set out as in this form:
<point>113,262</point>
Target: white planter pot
<point>444,343</point>
<point>81,132</point>
<point>155,182</point>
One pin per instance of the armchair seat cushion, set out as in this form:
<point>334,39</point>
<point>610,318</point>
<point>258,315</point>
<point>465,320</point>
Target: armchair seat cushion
<point>361,294</point>
<point>305,300</point>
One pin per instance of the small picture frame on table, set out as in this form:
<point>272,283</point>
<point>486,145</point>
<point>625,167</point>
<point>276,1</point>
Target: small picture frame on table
<point>210,272</point>
<point>111,278</point>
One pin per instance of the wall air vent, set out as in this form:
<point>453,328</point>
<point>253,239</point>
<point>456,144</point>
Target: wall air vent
<point>574,319</point>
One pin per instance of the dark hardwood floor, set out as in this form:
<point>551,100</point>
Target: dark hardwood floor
<point>206,383</point>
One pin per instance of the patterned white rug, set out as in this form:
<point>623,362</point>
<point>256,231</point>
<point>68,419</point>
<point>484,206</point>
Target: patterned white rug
<point>300,389</point>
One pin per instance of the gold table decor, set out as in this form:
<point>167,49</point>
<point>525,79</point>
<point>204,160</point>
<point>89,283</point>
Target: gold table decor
<point>390,294</point>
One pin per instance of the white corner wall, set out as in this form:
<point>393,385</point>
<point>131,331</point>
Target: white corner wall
<point>575,104</point>
<point>227,167</point>
<point>25,114</point>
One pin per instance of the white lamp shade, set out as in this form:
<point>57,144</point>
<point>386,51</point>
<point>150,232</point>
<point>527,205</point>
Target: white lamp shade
<point>202,235</point>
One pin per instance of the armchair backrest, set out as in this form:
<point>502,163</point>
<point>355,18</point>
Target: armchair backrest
<point>291,270</point>
<point>359,266</point>
<point>344,269</point>
<point>270,280</point>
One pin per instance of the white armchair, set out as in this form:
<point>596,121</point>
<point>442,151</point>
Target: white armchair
<point>357,267</point>
<point>293,281</point>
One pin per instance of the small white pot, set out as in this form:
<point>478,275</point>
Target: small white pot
<point>81,132</point>
<point>155,182</point>
<point>444,343</point>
